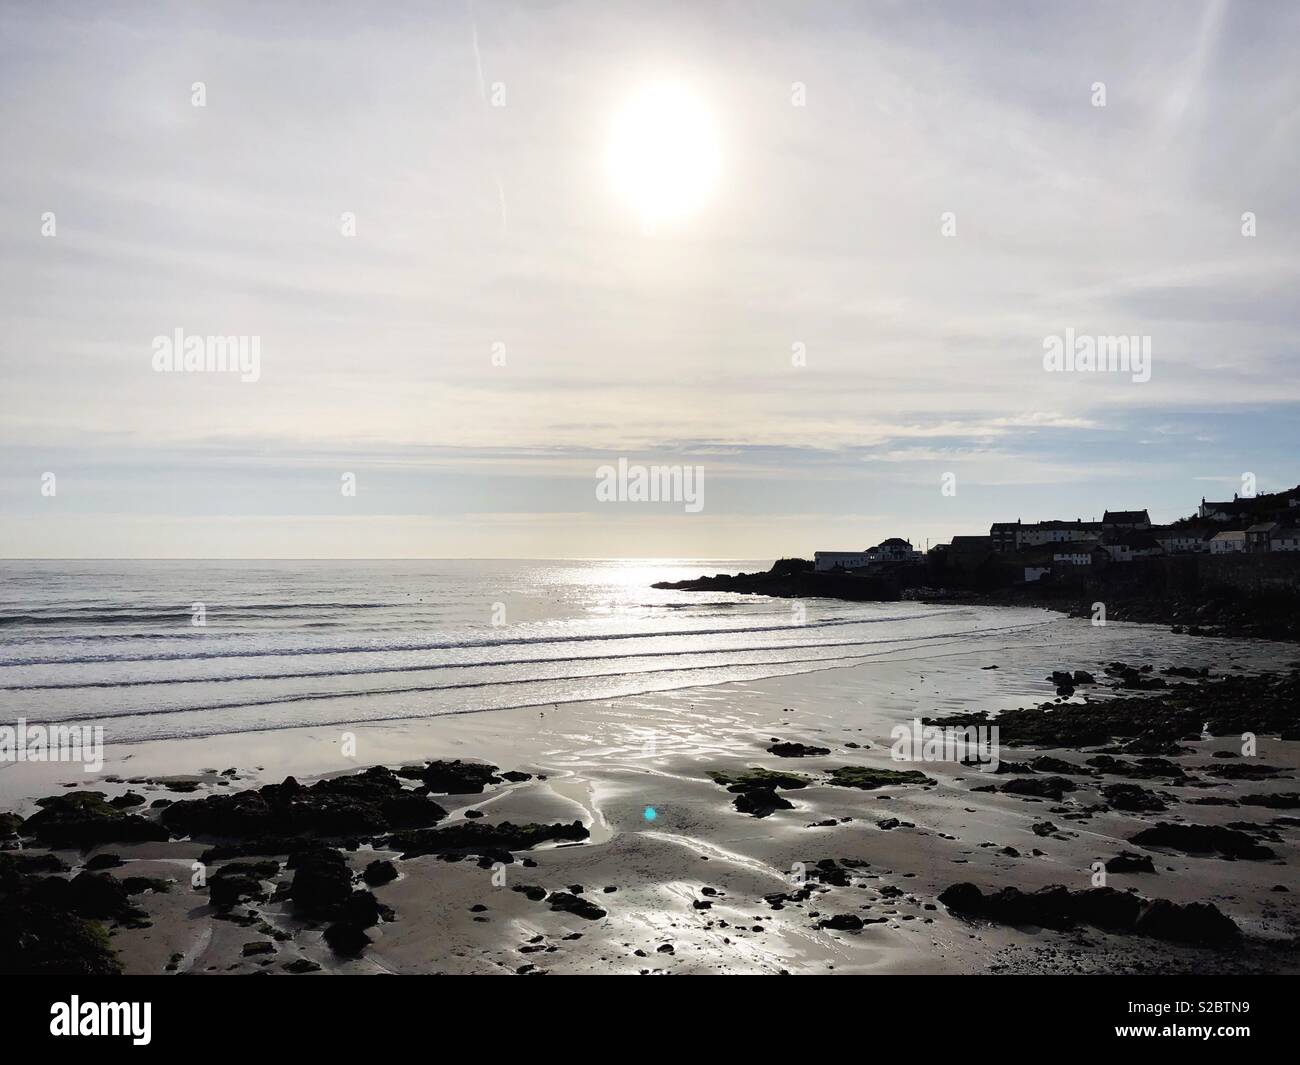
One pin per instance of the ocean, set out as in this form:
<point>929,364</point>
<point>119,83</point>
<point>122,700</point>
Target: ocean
<point>290,644</point>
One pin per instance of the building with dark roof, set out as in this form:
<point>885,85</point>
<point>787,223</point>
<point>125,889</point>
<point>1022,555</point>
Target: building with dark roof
<point>1126,519</point>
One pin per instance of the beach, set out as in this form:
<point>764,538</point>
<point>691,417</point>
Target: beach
<point>670,876</point>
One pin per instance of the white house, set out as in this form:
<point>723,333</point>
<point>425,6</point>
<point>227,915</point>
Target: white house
<point>895,549</point>
<point>1182,539</point>
<point>1228,543</point>
<point>1285,540</point>
<point>1056,532</point>
<point>1077,554</point>
<point>1126,546</point>
<point>829,560</point>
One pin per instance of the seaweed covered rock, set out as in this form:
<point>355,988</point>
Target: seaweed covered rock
<point>867,778</point>
<point>39,939</point>
<point>16,867</point>
<point>755,777</point>
<point>474,837</point>
<point>96,896</point>
<point>455,777</point>
<point>365,803</point>
<point>85,819</point>
<point>237,882</point>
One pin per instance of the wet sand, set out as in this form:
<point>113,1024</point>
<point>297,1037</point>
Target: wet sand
<point>689,884</point>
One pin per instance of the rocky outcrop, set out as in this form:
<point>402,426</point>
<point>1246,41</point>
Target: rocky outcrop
<point>1202,839</point>
<point>367,803</point>
<point>85,819</point>
<point>474,837</point>
<point>1114,911</point>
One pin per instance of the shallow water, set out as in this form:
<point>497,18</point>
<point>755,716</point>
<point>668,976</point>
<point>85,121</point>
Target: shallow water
<point>294,644</point>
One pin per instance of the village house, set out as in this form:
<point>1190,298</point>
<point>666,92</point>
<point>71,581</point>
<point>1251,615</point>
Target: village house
<point>1260,534</point>
<point>1228,543</point>
<point>1079,553</point>
<point>1183,539</point>
<point>1125,519</point>
<point>1284,539</point>
<point>1225,511</point>
<point>895,549</point>
<point>1127,546</point>
<point>1058,532</point>
<point>824,561</point>
<point>1005,535</point>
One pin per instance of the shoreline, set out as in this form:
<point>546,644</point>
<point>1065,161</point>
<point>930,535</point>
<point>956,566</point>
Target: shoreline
<point>1261,613</point>
<point>603,764</point>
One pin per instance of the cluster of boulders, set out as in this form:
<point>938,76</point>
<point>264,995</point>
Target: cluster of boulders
<point>1057,907</point>
<point>49,923</point>
<point>756,788</point>
<point>52,924</point>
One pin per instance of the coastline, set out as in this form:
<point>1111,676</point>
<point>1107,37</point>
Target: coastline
<point>1262,612</point>
<point>605,763</point>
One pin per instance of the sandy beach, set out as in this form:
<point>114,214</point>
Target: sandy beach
<point>672,877</point>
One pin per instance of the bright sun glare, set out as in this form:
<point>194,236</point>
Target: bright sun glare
<point>664,158</point>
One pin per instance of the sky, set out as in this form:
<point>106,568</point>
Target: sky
<point>846,335</point>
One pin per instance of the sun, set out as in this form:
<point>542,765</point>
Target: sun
<point>664,158</point>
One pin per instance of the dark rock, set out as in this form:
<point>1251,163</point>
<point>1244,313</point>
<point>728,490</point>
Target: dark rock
<point>39,939</point>
<point>346,939</point>
<point>379,872</point>
<point>1243,771</point>
<point>1202,839</point>
<point>459,778</point>
<point>321,881</point>
<point>841,922</point>
<point>1047,764</point>
<point>796,750</point>
<point>1282,800</point>
<point>567,902</point>
<point>474,837</point>
<point>1132,797</point>
<point>761,802</point>
<point>364,803</point>
<point>1039,787</point>
<point>1198,923</point>
<point>84,819</point>
<point>1142,768</point>
<point>1128,862</point>
<point>1115,911</point>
